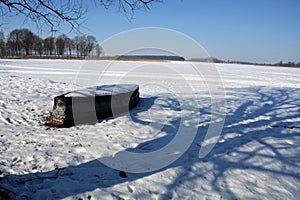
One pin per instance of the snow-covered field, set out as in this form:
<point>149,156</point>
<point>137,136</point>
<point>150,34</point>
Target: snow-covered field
<point>256,156</point>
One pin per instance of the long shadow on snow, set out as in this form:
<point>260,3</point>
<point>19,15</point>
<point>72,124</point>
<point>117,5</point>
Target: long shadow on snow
<point>263,114</point>
<point>260,109</point>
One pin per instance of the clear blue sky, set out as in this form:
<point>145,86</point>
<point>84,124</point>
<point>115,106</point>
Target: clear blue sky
<point>250,30</point>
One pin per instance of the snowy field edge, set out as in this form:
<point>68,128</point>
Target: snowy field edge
<point>256,156</point>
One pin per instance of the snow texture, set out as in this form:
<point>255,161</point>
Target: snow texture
<point>256,156</point>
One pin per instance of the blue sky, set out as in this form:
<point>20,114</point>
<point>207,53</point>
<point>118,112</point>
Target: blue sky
<point>249,30</point>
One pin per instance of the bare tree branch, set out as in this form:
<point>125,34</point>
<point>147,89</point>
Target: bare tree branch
<point>45,12</point>
<point>54,13</point>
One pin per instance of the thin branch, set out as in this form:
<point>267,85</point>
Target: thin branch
<point>70,12</point>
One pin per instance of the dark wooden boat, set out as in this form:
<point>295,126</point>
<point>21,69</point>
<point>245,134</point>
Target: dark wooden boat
<point>92,104</point>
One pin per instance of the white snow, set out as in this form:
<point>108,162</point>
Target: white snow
<point>256,156</point>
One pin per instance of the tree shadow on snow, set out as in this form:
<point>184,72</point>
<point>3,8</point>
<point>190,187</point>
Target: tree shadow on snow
<point>254,115</point>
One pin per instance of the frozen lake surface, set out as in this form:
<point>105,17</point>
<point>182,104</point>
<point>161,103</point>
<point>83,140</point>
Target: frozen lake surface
<point>255,157</point>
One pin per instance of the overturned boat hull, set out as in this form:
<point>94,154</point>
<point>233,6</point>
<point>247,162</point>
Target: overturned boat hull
<point>92,104</point>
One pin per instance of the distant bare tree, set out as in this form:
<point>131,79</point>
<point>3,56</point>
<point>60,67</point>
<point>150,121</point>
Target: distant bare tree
<point>53,13</point>
<point>14,42</point>
<point>90,44</point>
<point>20,41</point>
<point>99,50</point>
<point>38,44</point>
<point>26,40</point>
<point>69,45</point>
<point>61,44</point>
<point>84,44</point>
<point>77,42</point>
<point>49,45</point>
<point>2,44</point>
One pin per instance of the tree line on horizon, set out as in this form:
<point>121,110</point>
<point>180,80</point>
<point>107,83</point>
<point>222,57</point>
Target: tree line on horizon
<point>216,60</point>
<point>23,42</point>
